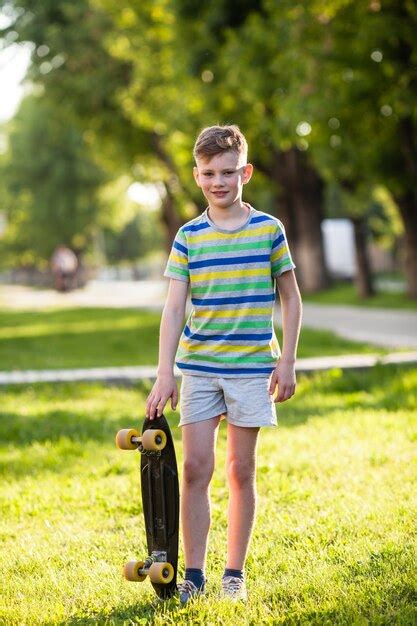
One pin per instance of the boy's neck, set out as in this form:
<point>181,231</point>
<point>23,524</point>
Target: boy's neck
<point>230,216</point>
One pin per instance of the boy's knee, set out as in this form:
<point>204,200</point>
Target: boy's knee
<point>240,473</point>
<point>198,471</point>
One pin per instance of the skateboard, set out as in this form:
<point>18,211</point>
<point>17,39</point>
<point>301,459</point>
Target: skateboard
<point>160,500</point>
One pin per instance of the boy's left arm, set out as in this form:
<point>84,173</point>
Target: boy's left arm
<point>291,309</point>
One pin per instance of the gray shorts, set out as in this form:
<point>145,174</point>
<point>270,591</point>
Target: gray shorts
<point>242,401</point>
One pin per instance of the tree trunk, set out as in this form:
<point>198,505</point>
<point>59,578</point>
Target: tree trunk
<point>363,277</point>
<point>408,208</point>
<point>170,218</point>
<point>300,206</point>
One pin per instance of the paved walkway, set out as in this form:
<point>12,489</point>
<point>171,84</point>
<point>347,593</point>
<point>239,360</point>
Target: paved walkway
<point>382,327</point>
<point>387,328</point>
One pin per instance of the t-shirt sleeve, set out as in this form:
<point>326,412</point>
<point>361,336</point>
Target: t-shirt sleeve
<point>281,260</point>
<point>177,265</point>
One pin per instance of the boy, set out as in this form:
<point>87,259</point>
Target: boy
<point>228,353</point>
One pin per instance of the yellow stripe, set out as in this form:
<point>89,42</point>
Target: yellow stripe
<point>178,259</point>
<point>214,314</point>
<point>222,348</point>
<point>261,271</point>
<point>279,253</point>
<point>244,233</point>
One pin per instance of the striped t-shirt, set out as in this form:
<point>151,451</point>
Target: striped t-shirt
<point>229,331</point>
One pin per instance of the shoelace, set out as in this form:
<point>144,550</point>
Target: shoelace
<point>232,583</point>
<point>187,586</point>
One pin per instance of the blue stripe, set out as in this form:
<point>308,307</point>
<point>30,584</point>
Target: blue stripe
<point>179,247</point>
<point>223,370</point>
<point>196,227</point>
<point>233,300</point>
<point>278,240</point>
<point>235,260</point>
<point>262,218</point>
<point>234,337</point>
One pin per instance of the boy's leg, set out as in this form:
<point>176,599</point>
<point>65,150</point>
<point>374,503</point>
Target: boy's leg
<point>199,440</point>
<point>241,472</point>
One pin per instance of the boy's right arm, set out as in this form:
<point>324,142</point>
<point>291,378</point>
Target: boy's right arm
<point>172,322</point>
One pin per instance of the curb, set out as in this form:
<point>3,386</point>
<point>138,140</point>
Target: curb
<point>139,373</point>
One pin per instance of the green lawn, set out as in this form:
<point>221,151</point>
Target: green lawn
<point>345,294</point>
<point>110,337</point>
<point>334,541</point>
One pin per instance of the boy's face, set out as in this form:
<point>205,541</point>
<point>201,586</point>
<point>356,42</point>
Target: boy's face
<point>222,177</point>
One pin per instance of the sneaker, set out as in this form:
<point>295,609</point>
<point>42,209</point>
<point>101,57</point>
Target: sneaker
<point>234,588</point>
<point>187,590</point>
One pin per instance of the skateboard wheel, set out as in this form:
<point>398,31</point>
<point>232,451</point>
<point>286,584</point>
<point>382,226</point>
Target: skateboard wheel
<point>161,573</point>
<point>154,440</point>
<point>124,439</point>
<point>131,571</point>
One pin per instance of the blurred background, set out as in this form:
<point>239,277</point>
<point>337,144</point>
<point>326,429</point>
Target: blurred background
<point>101,102</point>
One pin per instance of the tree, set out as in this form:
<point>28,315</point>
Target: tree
<point>52,183</point>
<point>369,89</point>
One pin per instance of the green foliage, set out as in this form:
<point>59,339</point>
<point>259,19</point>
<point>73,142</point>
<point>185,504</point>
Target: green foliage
<point>136,239</point>
<point>52,183</point>
<point>334,80</point>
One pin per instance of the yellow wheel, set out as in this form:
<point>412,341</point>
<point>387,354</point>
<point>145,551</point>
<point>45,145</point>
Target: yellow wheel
<point>124,439</point>
<point>154,440</point>
<point>131,571</point>
<point>161,573</point>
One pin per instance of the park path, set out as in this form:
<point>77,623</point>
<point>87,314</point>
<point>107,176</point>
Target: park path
<point>132,374</point>
<point>388,328</point>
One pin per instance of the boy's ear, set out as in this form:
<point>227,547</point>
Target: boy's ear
<point>247,173</point>
<point>195,174</point>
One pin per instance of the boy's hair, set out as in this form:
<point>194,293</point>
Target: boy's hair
<point>214,140</point>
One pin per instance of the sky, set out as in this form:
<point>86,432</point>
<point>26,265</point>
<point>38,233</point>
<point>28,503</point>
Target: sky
<point>14,61</point>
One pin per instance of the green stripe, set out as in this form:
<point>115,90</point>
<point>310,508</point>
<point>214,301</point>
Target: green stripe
<point>230,359</point>
<point>171,268</point>
<point>182,236</point>
<point>256,245</point>
<point>232,287</point>
<point>231,325</point>
<point>280,264</point>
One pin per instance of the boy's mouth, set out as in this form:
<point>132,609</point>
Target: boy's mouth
<point>220,193</point>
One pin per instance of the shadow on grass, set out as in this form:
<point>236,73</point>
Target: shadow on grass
<point>361,605</point>
<point>55,439</point>
<point>68,316</point>
<point>381,387</point>
<point>389,388</point>
<point>78,338</point>
<point>140,613</point>
<point>93,348</point>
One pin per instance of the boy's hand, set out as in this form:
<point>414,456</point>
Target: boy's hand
<point>283,376</point>
<point>165,387</point>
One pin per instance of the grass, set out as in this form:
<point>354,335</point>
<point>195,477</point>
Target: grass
<point>334,541</point>
<point>111,337</point>
<point>345,294</point>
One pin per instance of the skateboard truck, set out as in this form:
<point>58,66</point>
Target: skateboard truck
<point>152,440</point>
<point>155,566</point>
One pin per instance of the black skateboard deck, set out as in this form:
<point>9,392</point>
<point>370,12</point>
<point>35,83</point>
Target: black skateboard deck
<point>160,500</point>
